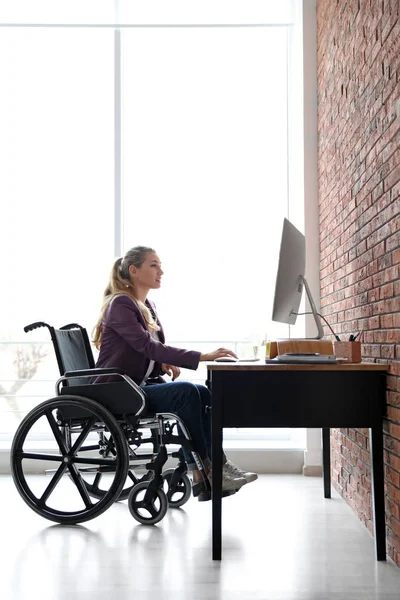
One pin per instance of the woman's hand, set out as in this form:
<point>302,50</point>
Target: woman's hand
<point>217,354</point>
<point>171,370</point>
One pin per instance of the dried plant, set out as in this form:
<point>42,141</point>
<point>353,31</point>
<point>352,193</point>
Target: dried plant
<point>26,362</point>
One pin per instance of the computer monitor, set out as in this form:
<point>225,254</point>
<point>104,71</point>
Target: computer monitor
<point>290,279</point>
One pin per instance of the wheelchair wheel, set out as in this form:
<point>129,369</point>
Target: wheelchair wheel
<point>180,491</point>
<point>147,511</point>
<point>67,449</point>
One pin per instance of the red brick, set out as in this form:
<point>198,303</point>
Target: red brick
<point>395,367</point>
<point>386,291</point>
<point>394,415</point>
<point>392,178</point>
<point>393,241</point>
<point>393,399</point>
<point>388,351</point>
<point>394,431</point>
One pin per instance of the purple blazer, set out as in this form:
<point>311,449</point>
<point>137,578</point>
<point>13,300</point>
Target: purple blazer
<point>128,345</point>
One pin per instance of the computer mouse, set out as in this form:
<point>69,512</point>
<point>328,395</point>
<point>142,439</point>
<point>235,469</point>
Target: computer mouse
<point>226,359</point>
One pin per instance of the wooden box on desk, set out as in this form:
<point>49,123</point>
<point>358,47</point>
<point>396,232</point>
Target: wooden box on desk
<point>300,347</point>
<point>349,350</point>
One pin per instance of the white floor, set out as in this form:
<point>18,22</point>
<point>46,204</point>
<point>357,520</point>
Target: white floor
<point>281,541</point>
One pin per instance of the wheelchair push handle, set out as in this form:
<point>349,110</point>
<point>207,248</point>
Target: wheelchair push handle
<point>71,326</point>
<point>36,325</point>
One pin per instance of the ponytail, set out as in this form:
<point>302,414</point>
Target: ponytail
<point>120,283</point>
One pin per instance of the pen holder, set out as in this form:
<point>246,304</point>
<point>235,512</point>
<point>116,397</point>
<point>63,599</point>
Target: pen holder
<point>271,350</point>
<point>349,350</point>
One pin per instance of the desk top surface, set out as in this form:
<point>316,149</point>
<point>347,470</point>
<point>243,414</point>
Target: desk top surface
<point>260,366</point>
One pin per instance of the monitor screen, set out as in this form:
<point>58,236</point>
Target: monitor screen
<point>290,278</point>
<point>291,270</point>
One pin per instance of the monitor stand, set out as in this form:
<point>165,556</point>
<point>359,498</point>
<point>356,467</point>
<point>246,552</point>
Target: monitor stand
<point>313,312</point>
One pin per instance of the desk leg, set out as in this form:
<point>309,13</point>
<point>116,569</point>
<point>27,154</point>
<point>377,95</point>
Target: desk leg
<point>216,441</point>
<point>378,489</point>
<point>326,460</point>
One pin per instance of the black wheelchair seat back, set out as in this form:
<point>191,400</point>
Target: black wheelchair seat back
<point>73,351</point>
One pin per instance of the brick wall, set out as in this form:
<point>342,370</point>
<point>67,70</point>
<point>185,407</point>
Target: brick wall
<point>359,209</point>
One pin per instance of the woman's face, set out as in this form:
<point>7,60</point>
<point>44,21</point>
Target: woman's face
<point>149,274</point>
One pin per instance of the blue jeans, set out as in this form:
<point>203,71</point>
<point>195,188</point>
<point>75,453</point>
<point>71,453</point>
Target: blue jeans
<point>188,401</point>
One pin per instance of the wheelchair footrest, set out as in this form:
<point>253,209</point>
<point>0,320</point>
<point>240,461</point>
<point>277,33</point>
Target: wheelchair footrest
<point>199,488</point>
<point>206,495</point>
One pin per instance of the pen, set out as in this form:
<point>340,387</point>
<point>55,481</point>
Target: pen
<point>353,338</point>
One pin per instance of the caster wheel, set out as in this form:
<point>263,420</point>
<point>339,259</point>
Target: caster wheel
<point>147,512</point>
<point>181,490</point>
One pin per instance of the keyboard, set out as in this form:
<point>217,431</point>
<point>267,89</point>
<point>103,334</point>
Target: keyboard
<point>232,359</point>
<point>292,358</point>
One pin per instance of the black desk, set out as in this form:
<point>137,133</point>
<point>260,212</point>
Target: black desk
<point>323,396</point>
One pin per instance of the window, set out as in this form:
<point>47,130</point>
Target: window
<point>56,156</point>
<point>199,117</point>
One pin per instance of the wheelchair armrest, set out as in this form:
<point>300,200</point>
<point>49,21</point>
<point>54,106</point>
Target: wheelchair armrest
<point>94,372</point>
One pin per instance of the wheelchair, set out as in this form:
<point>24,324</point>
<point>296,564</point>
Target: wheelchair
<point>91,440</point>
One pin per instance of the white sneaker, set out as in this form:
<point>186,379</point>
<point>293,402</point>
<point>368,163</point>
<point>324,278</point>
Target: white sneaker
<point>233,470</point>
<point>229,482</point>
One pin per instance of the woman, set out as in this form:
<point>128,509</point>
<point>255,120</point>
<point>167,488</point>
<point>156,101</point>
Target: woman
<point>130,337</point>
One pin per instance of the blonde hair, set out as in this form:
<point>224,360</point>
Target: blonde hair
<point>120,283</point>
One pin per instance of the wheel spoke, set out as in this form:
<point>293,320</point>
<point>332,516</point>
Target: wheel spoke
<point>38,456</point>
<point>96,481</point>
<point>151,508</point>
<point>179,490</point>
<point>146,505</point>
<point>83,435</point>
<point>95,447</point>
<point>54,480</point>
<point>138,504</point>
<point>56,432</point>
<point>80,485</point>
<point>132,476</point>
<point>94,461</point>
